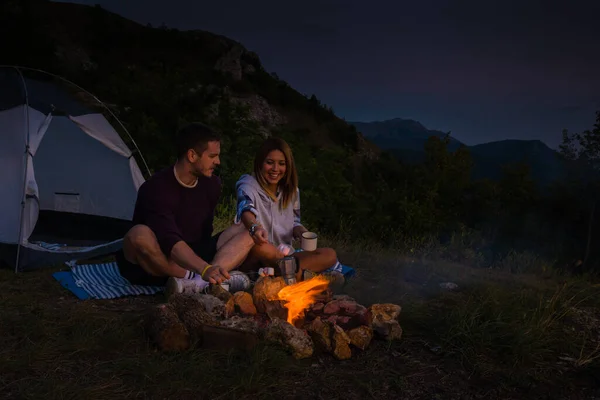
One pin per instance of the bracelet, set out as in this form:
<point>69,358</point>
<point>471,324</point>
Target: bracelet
<point>253,227</point>
<point>203,272</point>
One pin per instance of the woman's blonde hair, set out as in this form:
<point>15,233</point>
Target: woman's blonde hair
<point>288,185</point>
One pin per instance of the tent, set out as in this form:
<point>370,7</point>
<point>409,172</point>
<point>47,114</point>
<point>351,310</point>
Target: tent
<point>68,181</point>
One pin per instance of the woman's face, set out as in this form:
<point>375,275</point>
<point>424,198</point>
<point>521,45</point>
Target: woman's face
<point>273,168</point>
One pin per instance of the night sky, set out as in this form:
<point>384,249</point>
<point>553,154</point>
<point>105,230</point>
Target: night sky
<point>485,70</point>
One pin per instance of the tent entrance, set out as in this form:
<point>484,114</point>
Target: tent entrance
<point>77,230</point>
<point>63,236</point>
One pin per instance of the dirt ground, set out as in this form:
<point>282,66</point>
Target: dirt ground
<point>53,345</point>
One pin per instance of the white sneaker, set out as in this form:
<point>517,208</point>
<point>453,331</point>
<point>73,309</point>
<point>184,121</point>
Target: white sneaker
<point>238,281</point>
<point>182,285</point>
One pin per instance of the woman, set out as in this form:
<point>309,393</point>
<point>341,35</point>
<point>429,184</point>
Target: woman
<point>268,204</point>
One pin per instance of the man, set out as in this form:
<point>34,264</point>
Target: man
<point>170,243</point>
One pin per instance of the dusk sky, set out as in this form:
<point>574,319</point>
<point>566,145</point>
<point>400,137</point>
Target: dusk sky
<point>485,70</point>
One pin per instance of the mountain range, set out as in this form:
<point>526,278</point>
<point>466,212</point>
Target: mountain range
<point>406,138</point>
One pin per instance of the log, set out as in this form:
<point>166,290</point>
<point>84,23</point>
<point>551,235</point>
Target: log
<point>165,329</point>
<point>225,338</point>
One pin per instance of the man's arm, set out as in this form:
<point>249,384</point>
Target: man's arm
<point>185,257</point>
<point>159,215</point>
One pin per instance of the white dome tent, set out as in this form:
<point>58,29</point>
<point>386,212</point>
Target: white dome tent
<point>68,181</point>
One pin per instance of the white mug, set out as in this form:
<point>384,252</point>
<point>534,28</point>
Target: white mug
<point>309,241</point>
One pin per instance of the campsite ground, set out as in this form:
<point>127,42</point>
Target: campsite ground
<point>500,335</point>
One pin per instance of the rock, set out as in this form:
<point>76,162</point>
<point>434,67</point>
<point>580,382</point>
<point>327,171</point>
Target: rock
<point>320,332</point>
<point>211,304</point>
<point>219,293</point>
<point>360,337</point>
<point>259,110</point>
<point>265,290</point>
<point>385,320</point>
<point>230,62</point>
<point>344,312</point>
<point>165,329</point>
<point>240,302</point>
<point>296,340</point>
<point>333,307</point>
<point>449,285</point>
<point>340,344</point>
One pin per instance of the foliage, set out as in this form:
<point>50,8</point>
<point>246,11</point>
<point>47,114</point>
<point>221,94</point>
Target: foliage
<point>157,79</point>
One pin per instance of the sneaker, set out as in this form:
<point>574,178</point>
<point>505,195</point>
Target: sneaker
<point>182,285</point>
<point>238,281</point>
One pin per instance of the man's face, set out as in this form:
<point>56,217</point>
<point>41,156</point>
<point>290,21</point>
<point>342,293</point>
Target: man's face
<point>205,163</point>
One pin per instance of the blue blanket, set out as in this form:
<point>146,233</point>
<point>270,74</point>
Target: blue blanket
<point>100,281</point>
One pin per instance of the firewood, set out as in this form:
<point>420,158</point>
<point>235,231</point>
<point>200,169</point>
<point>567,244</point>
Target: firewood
<point>226,338</point>
<point>165,329</point>
<point>193,315</point>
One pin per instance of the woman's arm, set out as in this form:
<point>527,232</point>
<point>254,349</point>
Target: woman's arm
<point>247,213</point>
<point>298,228</point>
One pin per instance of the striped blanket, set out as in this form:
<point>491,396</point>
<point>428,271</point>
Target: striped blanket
<point>100,281</point>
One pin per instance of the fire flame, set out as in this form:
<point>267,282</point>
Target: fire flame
<point>301,295</point>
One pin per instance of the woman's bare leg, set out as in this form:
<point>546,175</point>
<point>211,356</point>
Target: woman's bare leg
<point>318,260</point>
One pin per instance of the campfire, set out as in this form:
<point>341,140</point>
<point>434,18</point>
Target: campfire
<point>304,317</point>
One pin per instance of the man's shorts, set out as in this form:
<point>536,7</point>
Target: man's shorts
<point>136,275</point>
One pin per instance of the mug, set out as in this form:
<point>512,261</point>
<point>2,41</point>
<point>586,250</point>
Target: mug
<point>309,241</point>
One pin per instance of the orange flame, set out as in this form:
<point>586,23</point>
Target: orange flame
<point>301,295</point>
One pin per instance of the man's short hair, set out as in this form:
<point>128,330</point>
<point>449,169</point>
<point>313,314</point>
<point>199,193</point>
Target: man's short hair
<point>194,136</point>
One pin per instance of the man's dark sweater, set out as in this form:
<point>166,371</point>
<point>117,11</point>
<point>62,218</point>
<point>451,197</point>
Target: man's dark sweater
<point>175,212</point>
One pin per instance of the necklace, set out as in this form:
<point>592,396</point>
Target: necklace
<point>183,184</point>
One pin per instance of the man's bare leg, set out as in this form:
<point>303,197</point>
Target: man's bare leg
<point>233,247</point>
<point>140,247</point>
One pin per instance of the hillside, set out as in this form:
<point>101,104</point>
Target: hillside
<point>399,133</point>
<point>156,79</point>
<point>406,138</point>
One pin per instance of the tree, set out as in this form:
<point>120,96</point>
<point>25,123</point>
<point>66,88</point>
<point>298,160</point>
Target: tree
<point>581,152</point>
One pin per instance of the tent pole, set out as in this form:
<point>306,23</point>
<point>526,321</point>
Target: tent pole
<point>98,100</point>
<point>26,157</point>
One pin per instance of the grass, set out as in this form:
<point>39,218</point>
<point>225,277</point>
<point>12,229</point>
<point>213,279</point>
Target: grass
<point>501,335</point>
